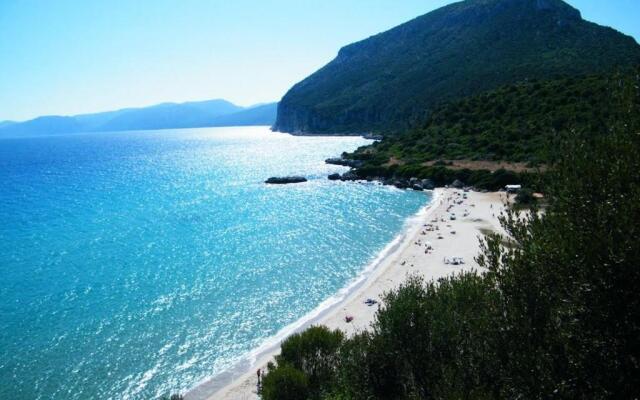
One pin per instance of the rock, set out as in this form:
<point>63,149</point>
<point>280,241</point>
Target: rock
<point>427,184</point>
<point>335,161</point>
<point>334,177</point>
<point>457,184</point>
<point>416,187</point>
<point>372,136</point>
<point>344,162</point>
<point>400,183</point>
<point>285,179</point>
<point>349,176</point>
<point>414,181</point>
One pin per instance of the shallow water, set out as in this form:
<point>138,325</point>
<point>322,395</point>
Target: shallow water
<point>137,264</point>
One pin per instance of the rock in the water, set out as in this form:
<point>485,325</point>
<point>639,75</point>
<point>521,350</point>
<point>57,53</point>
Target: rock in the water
<point>344,162</point>
<point>416,187</point>
<point>349,176</point>
<point>334,177</point>
<point>285,179</point>
<point>335,161</point>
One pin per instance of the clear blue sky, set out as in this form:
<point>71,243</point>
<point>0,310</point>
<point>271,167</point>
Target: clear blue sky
<point>68,57</point>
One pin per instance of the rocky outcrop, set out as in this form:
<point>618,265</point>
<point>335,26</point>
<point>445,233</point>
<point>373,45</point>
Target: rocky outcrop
<point>427,184</point>
<point>398,182</point>
<point>344,162</point>
<point>349,176</point>
<point>285,180</point>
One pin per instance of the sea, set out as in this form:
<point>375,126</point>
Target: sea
<point>138,264</point>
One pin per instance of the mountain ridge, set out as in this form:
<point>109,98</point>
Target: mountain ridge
<point>169,115</point>
<point>389,81</point>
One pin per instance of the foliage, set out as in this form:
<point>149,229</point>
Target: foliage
<point>525,197</point>
<point>518,123</point>
<point>285,383</point>
<point>554,315</point>
<point>429,341</point>
<point>313,353</point>
<point>391,81</point>
<point>570,308</point>
<point>441,176</point>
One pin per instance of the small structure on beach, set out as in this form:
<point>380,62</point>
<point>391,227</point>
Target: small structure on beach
<point>513,188</point>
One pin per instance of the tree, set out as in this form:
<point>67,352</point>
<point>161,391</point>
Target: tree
<point>571,325</point>
<point>313,352</point>
<point>285,383</point>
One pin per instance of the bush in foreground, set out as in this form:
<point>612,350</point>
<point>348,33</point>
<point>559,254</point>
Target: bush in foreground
<point>285,383</point>
<point>311,355</point>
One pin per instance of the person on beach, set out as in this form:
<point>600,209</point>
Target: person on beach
<point>258,372</point>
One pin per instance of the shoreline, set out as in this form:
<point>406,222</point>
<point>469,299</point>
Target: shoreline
<point>215,385</point>
<point>402,257</point>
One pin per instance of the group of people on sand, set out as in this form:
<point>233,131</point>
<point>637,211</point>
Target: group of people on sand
<point>456,198</point>
<point>451,201</point>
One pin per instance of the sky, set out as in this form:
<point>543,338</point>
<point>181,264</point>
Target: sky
<point>68,57</point>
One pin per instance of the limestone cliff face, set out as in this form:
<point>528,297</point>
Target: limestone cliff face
<point>389,81</point>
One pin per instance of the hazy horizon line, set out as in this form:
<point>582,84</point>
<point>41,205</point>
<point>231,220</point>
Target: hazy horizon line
<point>137,108</point>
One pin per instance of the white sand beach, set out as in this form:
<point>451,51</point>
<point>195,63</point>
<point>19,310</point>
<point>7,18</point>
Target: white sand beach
<point>474,215</point>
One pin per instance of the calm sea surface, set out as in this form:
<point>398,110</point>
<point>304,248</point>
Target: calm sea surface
<point>137,264</point>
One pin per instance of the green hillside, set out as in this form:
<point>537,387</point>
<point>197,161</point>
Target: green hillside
<point>552,313</point>
<point>517,123</point>
<point>392,80</point>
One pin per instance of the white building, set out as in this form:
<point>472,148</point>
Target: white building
<point>513,188</point>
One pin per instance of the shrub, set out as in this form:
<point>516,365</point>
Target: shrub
<point>525,197</point>
<point>312,352</point>
<point>285,383</point>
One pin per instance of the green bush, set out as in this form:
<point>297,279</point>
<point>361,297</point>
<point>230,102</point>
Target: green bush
<point>285,383</point>
<point>525,197</point>
<point>436,335</point>
<point>312,352</point>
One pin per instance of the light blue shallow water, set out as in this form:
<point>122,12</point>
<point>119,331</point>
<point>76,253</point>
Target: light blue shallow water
<point>137,264</point>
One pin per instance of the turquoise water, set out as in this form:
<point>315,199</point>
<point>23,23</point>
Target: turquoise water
<point>139,263</point>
